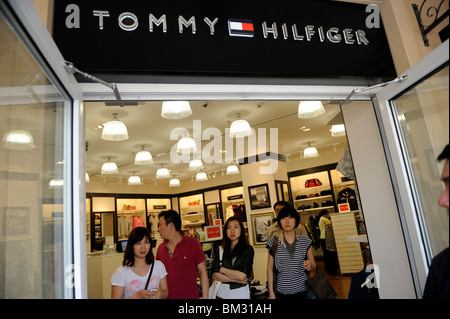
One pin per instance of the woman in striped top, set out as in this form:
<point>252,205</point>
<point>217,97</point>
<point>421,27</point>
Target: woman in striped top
<point>293,257</point>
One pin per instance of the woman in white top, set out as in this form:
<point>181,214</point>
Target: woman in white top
<point>130,279</point>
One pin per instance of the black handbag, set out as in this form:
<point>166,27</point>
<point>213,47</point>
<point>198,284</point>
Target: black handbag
<point>319,287</point>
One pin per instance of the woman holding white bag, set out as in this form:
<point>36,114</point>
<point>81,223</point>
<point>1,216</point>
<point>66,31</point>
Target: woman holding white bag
<point>235,266</point>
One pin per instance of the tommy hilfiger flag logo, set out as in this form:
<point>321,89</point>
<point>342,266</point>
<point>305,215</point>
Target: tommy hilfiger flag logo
<point>241,28</point>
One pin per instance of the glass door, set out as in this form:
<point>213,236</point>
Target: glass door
<point>414,118</point>
<point>39,181</point>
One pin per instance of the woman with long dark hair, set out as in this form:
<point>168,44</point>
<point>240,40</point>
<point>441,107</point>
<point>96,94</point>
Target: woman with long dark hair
<point>236,265</point>
<point>130,280</point>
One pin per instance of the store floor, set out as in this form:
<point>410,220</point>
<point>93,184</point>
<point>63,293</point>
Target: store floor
<point>340,283</point>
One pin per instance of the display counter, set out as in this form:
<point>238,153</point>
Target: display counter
<point>100,268</point>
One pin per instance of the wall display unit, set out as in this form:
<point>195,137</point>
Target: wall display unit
<point>233,203</point>
<point>192,211</point>
<point>213,214</point>
<point>131,213</point>
<point>312,192</point>
<point>102,222</point>
<point>88,224</point>
<point>154,207</point>
<point>344,190</point>
<point>111,217</point>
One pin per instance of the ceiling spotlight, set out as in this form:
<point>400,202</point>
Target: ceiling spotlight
<point>338,130</point>
<point>18,140</point>
<point>240,128</point>
<point>201,177</point>
<point>232,170</point>
<point>143,157</point>
<point>115,130</point>
<point>310,152</point>
<point>310,109</point>
<point>176,110</point>
<point>109,167</point>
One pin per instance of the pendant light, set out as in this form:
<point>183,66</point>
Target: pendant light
<point>310,109</point>
<point>186,144</point>
<point>174,182</point>
<point>18,140</point>
<point>232,170</point>
<point>143,157</point>
<point>338,130</point>
<point>195,165</point>
<point>134,180</point>
<point>240,128</point>
<point>162,173</point>
<point>115,130</point>
<point>201,177</point>
<point>109,167</point>
<point>176,110</point>
<point>310,152</point>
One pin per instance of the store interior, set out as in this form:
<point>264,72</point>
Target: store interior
<point>116,203</point>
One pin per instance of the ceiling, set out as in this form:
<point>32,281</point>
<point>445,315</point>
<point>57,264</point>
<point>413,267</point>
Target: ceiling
<point>147,128</point>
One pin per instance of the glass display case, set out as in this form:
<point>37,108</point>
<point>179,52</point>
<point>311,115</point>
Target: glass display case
<point>192,211</point>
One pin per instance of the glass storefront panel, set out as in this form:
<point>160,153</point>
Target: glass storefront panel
<point>423,114</point>
<point>33,176</point>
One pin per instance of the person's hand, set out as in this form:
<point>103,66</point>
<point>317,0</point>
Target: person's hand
<point>155,294</point>
<point>272,296</point>
<point>143,294</point>
<point>307,265</point>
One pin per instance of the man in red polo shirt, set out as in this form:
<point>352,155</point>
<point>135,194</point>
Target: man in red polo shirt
<point>183,257</point>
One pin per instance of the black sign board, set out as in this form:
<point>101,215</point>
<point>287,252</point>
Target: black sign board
<point>282,38</point>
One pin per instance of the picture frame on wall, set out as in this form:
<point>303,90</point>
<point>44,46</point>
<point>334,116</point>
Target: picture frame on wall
<point>259,196</point>
<point>260,224</point>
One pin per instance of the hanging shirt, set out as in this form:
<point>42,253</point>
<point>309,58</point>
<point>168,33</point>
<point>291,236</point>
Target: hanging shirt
<point>124,226</point>
<point>138,222</point>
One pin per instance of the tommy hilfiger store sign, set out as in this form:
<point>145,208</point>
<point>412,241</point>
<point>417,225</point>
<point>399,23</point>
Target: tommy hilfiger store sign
<point>283,38</point>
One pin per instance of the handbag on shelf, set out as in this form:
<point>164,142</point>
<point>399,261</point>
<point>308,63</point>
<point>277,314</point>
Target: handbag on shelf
<point>214,289</point>
<point>319,287</point>
<point>313,182</point>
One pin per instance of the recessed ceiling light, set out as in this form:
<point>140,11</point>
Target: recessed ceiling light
<point>304,129</point>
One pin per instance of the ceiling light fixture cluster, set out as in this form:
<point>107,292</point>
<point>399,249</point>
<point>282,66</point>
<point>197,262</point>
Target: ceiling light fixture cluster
<point>115,130</point>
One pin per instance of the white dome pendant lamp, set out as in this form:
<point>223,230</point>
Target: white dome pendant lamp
<point>176,110</point>
<point>240,128</point>
<point>115,130</point>
<point>310,109</point>
<point>109,167</point>
<point>310,152</point>
<point>19,140</point>
<point>143,157</point>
